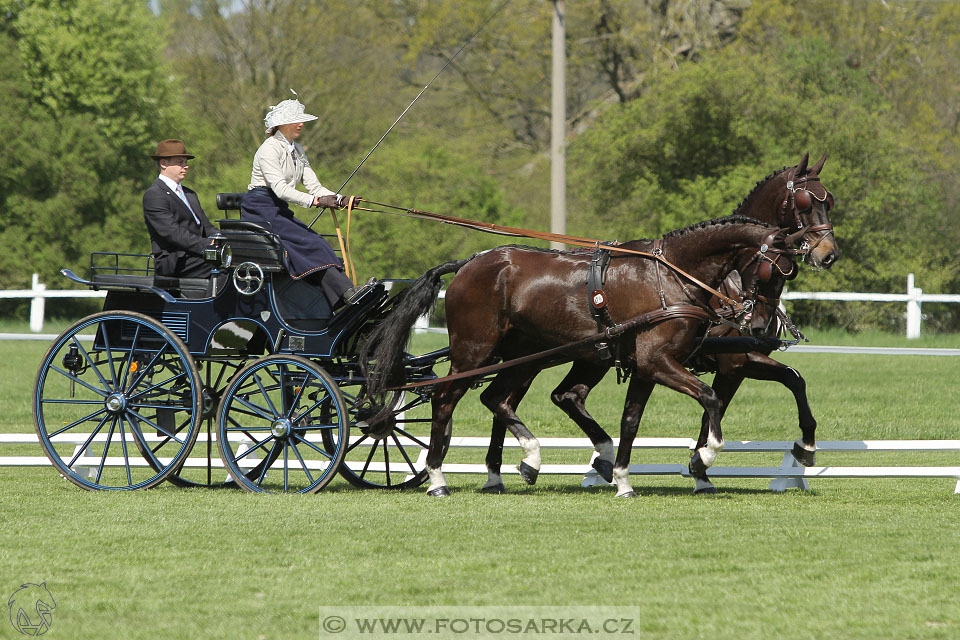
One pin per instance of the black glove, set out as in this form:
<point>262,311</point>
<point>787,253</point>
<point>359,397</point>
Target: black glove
<point>329,202</point>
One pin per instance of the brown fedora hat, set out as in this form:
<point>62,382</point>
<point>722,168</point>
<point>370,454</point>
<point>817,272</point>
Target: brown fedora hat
<point>171,149</point>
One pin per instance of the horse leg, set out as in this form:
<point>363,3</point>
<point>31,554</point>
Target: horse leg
<point>638,392</point>
<point>444,402</point>
<point>670,373</point>
<point>571,396</point>
<point>725,385</point>
<point>497,397</point>
<point>762,367</point>
<point>498,432</point>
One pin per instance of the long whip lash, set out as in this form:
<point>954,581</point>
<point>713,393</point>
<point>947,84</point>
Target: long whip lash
<point>425,87</point>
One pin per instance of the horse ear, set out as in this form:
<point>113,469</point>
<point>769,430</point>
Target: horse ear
<point>815,169</point>
<point>802,166</point>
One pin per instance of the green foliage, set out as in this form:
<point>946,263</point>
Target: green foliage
<point>690,147</point>
<point>84,97</point>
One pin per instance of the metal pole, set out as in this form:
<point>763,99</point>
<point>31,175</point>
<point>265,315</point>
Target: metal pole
<point>558,165</point>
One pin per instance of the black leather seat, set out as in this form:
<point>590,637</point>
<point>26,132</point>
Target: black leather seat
<point>249,242</point>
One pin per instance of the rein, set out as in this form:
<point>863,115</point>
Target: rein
<point>656,255</point>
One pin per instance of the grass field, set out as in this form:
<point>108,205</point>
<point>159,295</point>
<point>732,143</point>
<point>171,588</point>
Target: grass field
<point>849,559</point>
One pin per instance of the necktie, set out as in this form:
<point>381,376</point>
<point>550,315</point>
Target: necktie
<point>183,197</point>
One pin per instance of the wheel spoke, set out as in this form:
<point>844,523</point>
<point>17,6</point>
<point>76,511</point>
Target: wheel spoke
<point>313,446</point>
<point>90,362</point>
<point>259,445</point>
<point>100,392</point>
<point>266,464</point>
<point>126,458</point>
<point>153,425</point>
<point>88,441</point>
<point>303,464</point>
<point>73,424</point>
<point>286,469</point>
<point>403,452</point>
<point>257,410</point>
<point>106,449</point>
<point>126,368</point>
<point>355,444</point>
<point>366,465</point>
<point>147,367</point>
<point>161,384</point>
<point>266,396</point>
<point>415,439</point>
<point>108,351</point>
<point>386,460</point>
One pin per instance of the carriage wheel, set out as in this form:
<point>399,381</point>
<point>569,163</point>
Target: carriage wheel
<point>282,426</point>
<point>385,455</point>
<point>112,380</point>
<point>206,471</point>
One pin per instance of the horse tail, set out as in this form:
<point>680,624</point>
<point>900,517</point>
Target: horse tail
<point>381,357</point>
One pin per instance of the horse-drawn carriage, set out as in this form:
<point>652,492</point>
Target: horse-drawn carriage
<point>257,357</point>
<point>285,380</point>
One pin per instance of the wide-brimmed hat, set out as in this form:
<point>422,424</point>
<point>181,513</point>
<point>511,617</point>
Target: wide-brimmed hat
<point>170,149</point>
<point>287,112</point>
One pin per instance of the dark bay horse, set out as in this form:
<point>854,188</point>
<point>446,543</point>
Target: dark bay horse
<point>794,200</point>
<point>512,301</point>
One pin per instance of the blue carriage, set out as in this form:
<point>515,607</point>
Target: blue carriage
<point>248,363</point>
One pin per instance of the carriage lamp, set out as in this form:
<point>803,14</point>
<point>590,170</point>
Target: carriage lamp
<point>71,360</point>
<point>218,251</point>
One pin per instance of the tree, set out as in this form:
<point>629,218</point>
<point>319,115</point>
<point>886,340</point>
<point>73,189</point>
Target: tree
<point>85,98</point>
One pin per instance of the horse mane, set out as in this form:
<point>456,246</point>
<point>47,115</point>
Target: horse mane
<point>756,188</point>
<point>732,219</point>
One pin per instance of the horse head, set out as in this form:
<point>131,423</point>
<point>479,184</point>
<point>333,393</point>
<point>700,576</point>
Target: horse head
<point>795,199</point>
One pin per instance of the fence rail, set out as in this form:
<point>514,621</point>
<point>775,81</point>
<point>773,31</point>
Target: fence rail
<point>914,299</point>
<point>788,475</point>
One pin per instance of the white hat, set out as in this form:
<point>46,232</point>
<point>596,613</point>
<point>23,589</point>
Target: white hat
<point>287,112</point>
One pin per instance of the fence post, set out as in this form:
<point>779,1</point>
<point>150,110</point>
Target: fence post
<point>914,317</point>
<point>37,304</point>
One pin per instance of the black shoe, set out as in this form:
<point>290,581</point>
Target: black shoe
<point>353,294</point>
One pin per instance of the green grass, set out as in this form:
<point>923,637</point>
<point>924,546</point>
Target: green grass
<point>849,559</point>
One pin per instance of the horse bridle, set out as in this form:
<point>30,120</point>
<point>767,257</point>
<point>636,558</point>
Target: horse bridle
<point>759,269</point>
<point>799,201</point>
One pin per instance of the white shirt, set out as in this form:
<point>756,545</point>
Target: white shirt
<point>282,165</point>
<point>177,189</point>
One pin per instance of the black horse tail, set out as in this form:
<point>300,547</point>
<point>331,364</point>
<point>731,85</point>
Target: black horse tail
<point>381,358</point>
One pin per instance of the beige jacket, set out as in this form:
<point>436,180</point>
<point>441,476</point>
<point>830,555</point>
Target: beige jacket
<point>275,167</point>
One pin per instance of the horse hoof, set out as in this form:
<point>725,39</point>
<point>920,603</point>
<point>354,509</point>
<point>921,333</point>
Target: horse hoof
<point>696,466</point>
<point>604,468</point>
<point>705,491</point>
<point>494,488</point>
<point>528,473</point>
<point>439,492</point>
<point>803,456</point>
<point>628,494</point>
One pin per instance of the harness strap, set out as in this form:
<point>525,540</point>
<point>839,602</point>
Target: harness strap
<point>640,323</point>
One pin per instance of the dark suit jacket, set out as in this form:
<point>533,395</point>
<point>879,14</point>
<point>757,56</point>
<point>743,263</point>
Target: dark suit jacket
<point>173,232</point>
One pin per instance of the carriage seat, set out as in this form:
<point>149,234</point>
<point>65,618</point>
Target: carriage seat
<point>250,242</point>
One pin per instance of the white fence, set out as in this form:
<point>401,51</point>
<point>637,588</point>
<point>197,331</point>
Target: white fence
<point>788,475</point>
<point>914,299</point>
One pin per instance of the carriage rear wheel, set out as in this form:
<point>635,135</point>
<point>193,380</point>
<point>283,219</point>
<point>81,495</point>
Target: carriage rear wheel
<point>389,453</point>
<point>282,426</point>
<point>111,386</point>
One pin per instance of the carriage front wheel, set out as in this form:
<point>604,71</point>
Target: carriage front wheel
<point>113,388</point>
<point>275,418</point>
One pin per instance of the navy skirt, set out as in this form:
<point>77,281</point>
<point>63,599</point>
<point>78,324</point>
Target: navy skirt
<point>306,251</point>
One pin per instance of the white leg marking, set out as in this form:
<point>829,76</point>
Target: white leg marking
<point>493,479</point>
<point>622,478</point>
<point>806,447</point>
<point>531,449</point>
<point>708,453</point>
<point>436,479</point>
<point>605,451</point>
